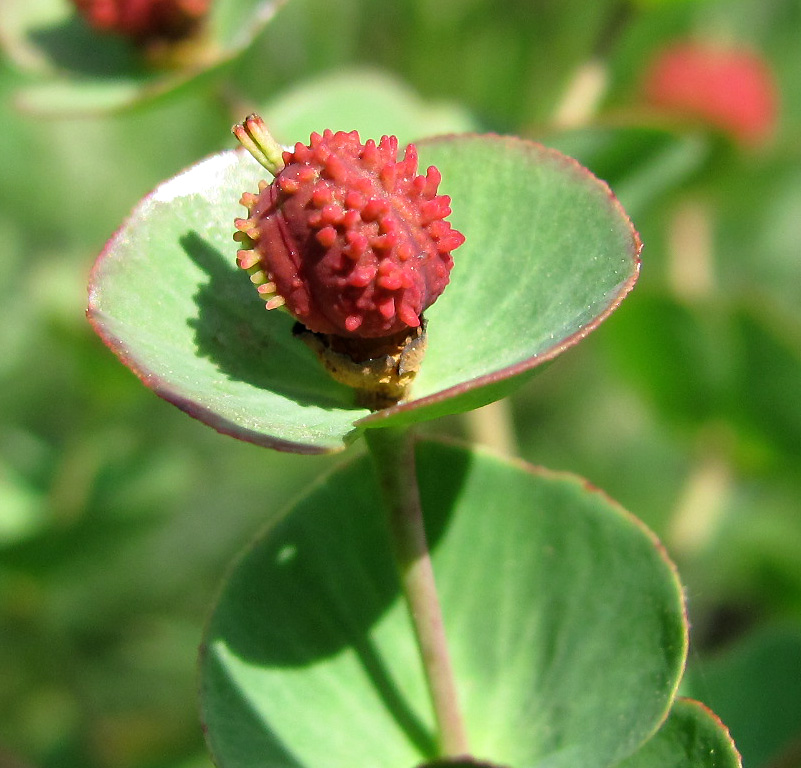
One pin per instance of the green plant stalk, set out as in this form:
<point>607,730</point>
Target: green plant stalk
<point>392,451</point>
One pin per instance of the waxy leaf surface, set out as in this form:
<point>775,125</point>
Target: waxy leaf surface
<point>564,618</point>
<point>549,254</point>
<point>369,101</point>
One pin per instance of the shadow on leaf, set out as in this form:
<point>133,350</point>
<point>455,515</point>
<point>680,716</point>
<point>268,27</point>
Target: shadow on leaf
<point>318,583</point>
<point>248,343</point>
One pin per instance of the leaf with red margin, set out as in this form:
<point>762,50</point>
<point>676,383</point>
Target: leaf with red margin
<point>564,616</point>
<point>691,737</point>
<point>549,254</point>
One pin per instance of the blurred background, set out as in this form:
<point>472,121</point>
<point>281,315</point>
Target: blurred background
<point>119,514</point>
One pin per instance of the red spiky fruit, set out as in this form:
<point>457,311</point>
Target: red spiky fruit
<point>143,20</point>
<point>732,89</point>
<point>350,238</point>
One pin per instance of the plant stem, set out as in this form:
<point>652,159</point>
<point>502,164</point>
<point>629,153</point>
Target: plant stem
<point>392,450</point>
<point>493,425</point>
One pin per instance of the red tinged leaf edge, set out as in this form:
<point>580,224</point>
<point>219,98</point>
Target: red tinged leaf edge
<point>395,413</point>
<point>376,419</point>
<point>615,509</point>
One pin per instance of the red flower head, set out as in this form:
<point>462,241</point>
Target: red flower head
<point>347,236</point>
<point>731,89</point>
<point>144,20</point>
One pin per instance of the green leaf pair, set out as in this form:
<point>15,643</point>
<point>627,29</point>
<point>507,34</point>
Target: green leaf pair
<point>549,254</point>
<point>564,617</point>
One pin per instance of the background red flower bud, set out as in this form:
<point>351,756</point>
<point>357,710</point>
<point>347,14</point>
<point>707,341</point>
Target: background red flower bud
<point>144,19</point>
<point>732,89</point>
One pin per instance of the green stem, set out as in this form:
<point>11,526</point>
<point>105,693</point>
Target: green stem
<point>393,457</point>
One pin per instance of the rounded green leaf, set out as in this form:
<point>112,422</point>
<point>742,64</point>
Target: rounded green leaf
<point>549,254</point>
<point>754,684</point>
<point>369,101</point>
<point>564,617</point>
<point>691,737</point>
<point>82,71</point>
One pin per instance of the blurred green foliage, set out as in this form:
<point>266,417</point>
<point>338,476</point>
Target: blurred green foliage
<point>118,514</point>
